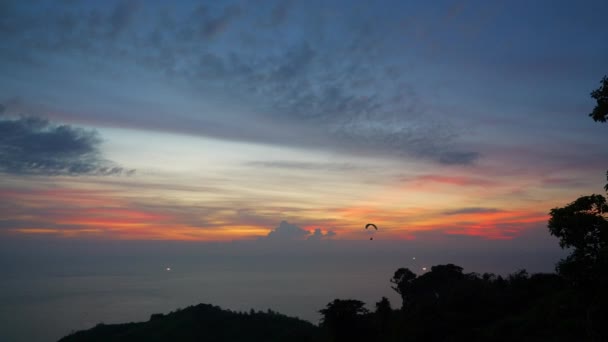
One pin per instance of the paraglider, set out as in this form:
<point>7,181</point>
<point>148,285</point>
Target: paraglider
<point>372,226</point>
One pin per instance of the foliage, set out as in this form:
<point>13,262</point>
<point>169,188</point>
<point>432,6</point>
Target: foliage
<point>343,320</point>
<point>600,112</point>
<point>402,279</point>
<point>447,304</point>
<point>582,226</point>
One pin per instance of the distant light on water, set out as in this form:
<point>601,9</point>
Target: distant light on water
<point>168,268</point>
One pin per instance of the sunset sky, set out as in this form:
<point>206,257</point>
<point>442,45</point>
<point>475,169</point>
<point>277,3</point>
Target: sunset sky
<point>245,145</point>
<point>217,121</point>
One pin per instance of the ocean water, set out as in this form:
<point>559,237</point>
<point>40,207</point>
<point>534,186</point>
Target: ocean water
<point>50,289</point>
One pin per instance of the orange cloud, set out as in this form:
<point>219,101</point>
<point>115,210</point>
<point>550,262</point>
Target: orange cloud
<point>90,213</point>
<point>57,232</point>
<point>397,223</point>
<point>491,225</point>
<point>112,215</point>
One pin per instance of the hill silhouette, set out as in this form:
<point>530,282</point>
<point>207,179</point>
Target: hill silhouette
<point>204,322</point>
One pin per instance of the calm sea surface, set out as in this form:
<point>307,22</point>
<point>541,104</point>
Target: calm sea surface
<point>47,292</point>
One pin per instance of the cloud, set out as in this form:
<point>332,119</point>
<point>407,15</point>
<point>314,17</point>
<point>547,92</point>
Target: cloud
<point>458,158</point>
<point>293,84</point>
<point>286,231</point>
<point>296,165</point>
<point>280,12</point>
<point>212,26</point>
<point>122,16</point>
<point>561,182</point>
<point>318,235</point>
<point>473,210</point>
<point>466,181</point>
<point>290,232</point>
<point>31,145</point>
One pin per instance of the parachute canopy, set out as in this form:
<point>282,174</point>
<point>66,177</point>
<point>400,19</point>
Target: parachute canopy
<point>371,225</point>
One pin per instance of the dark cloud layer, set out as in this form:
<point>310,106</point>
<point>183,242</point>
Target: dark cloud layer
<point>30,145</point>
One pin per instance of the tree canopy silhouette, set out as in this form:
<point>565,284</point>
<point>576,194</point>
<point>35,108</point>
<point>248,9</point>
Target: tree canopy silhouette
<point>600,112</point>
<point>344,318</point>
<point>402,279</point>
<point>582,226</point>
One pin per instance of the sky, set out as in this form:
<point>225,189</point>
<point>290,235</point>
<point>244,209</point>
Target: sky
<point>254,125</point>
<point>217,121</point>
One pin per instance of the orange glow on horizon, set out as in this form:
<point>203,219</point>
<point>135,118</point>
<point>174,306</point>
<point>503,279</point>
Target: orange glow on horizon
<point>71,213</point>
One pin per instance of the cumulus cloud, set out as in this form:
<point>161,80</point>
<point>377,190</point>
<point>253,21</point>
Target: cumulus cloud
<point>31,145</point>
<point>287,231</point>
<point>290,232</point>
<point>318,235</point>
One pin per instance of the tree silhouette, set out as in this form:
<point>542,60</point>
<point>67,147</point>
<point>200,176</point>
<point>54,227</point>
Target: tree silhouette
<point>345,320</point>
<point>383,316</point>
<point>582,226</point>
<point>402,279</point>
<point>383,307</point>
<point>600,112</point>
